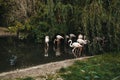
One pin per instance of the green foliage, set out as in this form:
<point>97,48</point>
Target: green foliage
<point>41,30</point>
<point>104,67</point>
<point>18,26</point>
<point>91,17</point>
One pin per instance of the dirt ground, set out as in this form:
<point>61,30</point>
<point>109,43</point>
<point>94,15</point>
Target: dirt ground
<point>40,70</point>
<point>5,32</point>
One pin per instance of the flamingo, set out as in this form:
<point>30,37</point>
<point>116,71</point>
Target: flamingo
<point>47,40</point>
<point>100,40</point>
<point>47,45</point>
<point>66,38</point>
<point>72,35</point>
<point>58,38</point>
<point>80,36</point>
<point>75,45</point>
<point>81,41</point>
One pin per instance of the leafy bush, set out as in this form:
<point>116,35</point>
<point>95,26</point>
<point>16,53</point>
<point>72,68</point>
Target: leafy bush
<point>94,18</point>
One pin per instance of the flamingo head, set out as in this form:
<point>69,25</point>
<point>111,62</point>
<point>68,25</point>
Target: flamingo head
<point>47,37</point>
<point>59,37</point>
<point>67,36</point>
<point>69,40</point>
<point>72,35</point>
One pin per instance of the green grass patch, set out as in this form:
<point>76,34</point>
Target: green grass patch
<point>100,67</point>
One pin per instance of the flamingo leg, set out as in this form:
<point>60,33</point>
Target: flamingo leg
<point>73,51</point>
<point>77,51</point>
<point>47,45</point>
<point>80,51</point>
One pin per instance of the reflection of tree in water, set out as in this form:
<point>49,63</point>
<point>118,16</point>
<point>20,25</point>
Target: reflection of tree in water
<point>13,60</point>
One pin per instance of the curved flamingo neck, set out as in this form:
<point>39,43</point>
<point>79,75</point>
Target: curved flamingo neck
<point>70,43</point>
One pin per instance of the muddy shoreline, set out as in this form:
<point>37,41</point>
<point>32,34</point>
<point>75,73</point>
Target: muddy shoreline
<point>40,70</point>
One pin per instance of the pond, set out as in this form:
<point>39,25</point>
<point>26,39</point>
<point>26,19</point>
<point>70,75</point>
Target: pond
<point>16,54</point>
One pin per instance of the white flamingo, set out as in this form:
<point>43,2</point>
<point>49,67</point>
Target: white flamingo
<point>66,39</point>
<point>75,45</point>
<point>80,36</point>
<point>72,35</point>
<point>58,38</point>
<point>81,41</point>
<point>47,45</point>
<point>47,40</point>
<point>67,36</point>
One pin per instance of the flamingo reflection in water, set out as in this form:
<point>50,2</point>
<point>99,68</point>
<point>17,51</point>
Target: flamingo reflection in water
<point>57,51</point>
<point>57,42</point>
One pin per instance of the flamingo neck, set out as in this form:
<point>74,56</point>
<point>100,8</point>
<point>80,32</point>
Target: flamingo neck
<point>70,43</point>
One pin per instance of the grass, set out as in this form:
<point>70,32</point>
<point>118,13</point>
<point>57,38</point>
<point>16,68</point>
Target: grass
<point>100,67</point>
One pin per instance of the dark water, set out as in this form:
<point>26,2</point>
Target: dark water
<point>15,54</point>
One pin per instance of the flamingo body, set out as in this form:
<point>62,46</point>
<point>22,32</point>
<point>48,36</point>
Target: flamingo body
<point>81,41</point>
<point>72,35</point>
<point>46,39</point>
<point>80,36</point>
<point>75,45</point>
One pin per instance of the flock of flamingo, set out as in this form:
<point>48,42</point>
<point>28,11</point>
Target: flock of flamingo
<point>76,43</point>
<point>77,46</point>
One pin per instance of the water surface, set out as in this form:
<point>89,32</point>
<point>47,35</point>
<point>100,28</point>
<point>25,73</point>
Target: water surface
<point>16,54</point>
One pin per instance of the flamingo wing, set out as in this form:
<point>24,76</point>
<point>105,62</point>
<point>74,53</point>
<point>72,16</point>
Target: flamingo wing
<point>76,44</point>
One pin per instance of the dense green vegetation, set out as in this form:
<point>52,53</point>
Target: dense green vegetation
<point>36,18</point>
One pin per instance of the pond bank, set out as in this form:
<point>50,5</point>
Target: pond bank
<point>40,70</point>
<point>4,32</point>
